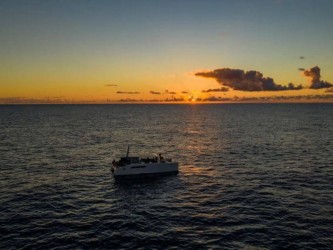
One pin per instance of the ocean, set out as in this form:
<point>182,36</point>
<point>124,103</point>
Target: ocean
<point>251,176</point>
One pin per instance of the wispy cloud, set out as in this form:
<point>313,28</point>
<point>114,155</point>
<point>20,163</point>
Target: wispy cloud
<point>170,92</point>
<point>130,100</point>
<point>154,92</point>
<point>222,89</point>
<point>217,99</point>
<point>128,92</point>
<point>110,85</point>
<point>174,99</point>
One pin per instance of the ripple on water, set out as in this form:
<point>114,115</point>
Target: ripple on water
<point>251,176</point>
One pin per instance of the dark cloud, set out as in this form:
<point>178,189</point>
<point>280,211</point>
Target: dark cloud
<point>128,92</point>
<point>292,86</point>
<point>184,92</point>
<point>222,89</point>
<point>301,69</point>
<point>314,75</point>
<point>155,93</point>
<point>301,57</point>
<point>110,85</point>
<point>252,80</point>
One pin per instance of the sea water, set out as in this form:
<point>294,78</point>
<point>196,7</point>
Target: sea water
<point>251,176</point>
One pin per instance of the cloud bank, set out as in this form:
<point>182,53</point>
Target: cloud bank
<point>252,80</point>
<point>328,97</point>
<point>297,98</point>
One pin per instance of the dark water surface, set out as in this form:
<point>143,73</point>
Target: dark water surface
<point>251,176</point>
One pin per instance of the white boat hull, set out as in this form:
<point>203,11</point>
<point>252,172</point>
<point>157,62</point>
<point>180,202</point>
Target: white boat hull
<point>146,169</point>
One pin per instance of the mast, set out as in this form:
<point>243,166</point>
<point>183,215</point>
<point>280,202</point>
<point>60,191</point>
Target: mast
<point>127,151</point>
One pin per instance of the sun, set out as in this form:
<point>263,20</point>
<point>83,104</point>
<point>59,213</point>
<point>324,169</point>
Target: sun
<point>192,98</point>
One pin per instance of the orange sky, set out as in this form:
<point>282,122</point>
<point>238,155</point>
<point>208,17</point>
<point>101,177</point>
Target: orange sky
<point>64,52</point>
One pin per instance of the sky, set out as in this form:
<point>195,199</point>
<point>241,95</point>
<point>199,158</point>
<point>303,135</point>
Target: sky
<point>101,51</point>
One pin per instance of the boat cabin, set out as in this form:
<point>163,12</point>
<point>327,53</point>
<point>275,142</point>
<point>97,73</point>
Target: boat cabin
<point>137,160</point>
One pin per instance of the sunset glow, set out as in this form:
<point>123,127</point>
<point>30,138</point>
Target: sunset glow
<point>158,51</point>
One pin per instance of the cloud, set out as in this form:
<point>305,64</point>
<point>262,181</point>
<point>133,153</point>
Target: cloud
<point>301,57</point>
<point>184,92</point>
<point>296,98</point>
<point>314,75</point>
<point>216,99</point>
<point>301,69</point>
<point>222,89</point>
<point>27,100</point>
<point>170,92</point>
<point>128,92</point>
<point>154,92</point>
<point>174,99</point>
<point>327,97</point>
<point>53,97</point>
<point>130,100</point>
<point>252,80</point>
<point>110,85</point>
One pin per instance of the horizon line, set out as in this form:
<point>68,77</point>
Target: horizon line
<point>313,101</point>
